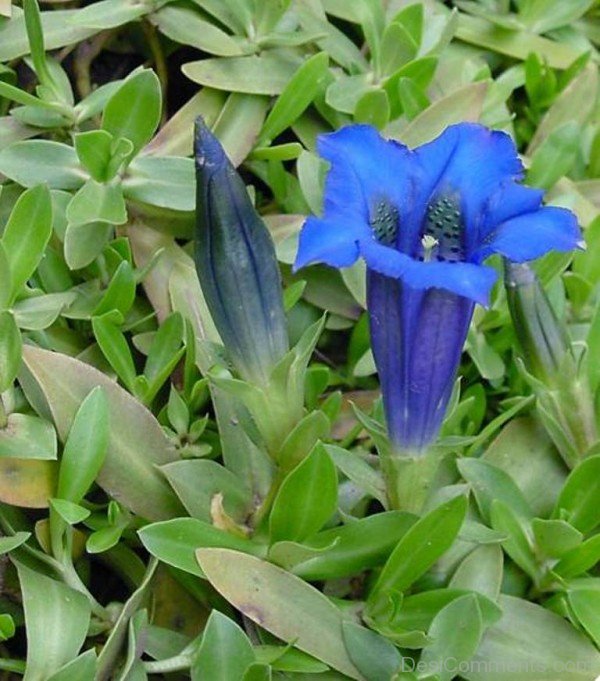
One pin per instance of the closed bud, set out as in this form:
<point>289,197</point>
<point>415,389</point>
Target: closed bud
<point>236,264</point>
<point>564,400</point>
<point>542,338</point>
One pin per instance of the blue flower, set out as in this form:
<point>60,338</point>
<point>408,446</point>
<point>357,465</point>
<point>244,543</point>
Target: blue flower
<point>424,220</point>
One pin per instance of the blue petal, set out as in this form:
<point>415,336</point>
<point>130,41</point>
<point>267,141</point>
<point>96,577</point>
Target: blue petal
<point>508,202</point>
<point>465,279</point>
<point>471,162</point>
<point>326,241</point>
<point>531,235</point>
<point>364,168</point>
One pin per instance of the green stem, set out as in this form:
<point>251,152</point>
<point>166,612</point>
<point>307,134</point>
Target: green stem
<point>72,579</point>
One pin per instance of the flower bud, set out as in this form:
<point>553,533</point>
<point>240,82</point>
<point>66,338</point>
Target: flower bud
<point>236,264</point>
<point>543,340</point>
<point>564,400</point>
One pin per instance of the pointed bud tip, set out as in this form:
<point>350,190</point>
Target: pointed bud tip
<point>582,245</point>
<point>208,151</point>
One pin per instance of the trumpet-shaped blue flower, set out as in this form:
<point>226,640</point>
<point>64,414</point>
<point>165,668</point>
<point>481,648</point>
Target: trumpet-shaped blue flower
<point>424,220</point>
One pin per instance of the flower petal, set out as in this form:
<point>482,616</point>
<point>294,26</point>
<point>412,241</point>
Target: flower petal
<point>472,158</point>
<point>365,166</point>
<point>465,279</point>
<point>531,235</point>
<point>326,241</point>
<point>470,162</point>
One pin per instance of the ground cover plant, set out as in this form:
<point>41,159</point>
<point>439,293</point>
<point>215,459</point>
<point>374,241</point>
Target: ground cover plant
<point>237,444</point>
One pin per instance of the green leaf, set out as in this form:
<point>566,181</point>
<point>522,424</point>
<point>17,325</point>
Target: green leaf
<point>56,29</point>
<point>84,243</point>
<point>489,483</point>
<point>480,571</point>
<point>524,451</point>
<point>82,668</point>
<point>517,44</point>
<point>120,293</point>
<point>345,550</point>
<point>268,74</point>
<point>85,449</point>
<point>196,482</point>
<point>313,427</point>
<point>464,104</point>
<point>97,202</point>
<point>580,559</point>
<point>33,162</point>
<point>5,278</point>
<point>166,182</point>
<point>28,437</point>
<point>578,500</point>
<point>555,537</point>
<point>398,47</point>
<point>532,638</point>
<point>114,346</point>
<point>281,603</point>
<point>176,541</point>
<point>10,349</point>
<point>225,652</point>
<point>574,104</point>
<point>519,543</point>
<point>586,606</point>
<point>359,471</point>
<point>412,98</point>
<point>35,36</point>
<point>373,108</point>
<point>258,672</point>
<point>133,112</point>
<point>108,14</point>
<point>71,513</point>
<point>427,540</point>
<point>8,544</point>
<point>136,445</point>
<point>188,28</point>
<point>94,149</point>
<point>456,632</point>
<point>26,234</point>
<point>555,156</point>
<point>39,312</point>
<point>104,539</point>
<point>166,346</point>
<point>56,618</point>
<point>7,627</point>
<point>306,499</point>
<point>301,90</point>
<point>374,656</point>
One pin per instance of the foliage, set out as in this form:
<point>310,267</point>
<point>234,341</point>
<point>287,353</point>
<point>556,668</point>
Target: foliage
<point>161,517</point>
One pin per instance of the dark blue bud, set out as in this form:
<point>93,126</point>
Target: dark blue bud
<point>236,264</point>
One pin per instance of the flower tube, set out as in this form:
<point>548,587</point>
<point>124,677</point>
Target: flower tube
<point>424,220</point>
